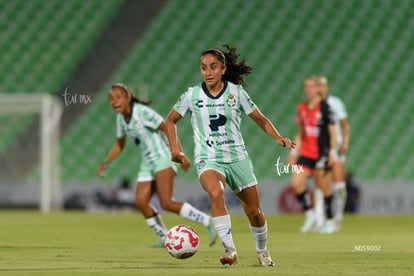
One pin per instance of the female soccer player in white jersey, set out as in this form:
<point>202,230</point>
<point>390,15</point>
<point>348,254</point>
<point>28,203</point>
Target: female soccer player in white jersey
<point>316,142</point>
<point>340,116</point>
<point>147,129</point>
<point>216,106</point>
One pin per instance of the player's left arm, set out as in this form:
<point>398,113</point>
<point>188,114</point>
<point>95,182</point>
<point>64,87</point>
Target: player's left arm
<point>345,129</point>
<point>328,117</point>
<point>266,125</point>
<point>343,149</point>
<point>332,144</point>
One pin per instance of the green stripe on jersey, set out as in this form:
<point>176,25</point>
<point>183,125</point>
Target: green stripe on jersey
<point>143,130</point>
<point>216,122</point>
<point>200,145</point>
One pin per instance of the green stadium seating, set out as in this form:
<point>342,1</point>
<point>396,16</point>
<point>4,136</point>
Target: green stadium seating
<point>364,47</point>
<point>41,44</point>
<point>41,41</point>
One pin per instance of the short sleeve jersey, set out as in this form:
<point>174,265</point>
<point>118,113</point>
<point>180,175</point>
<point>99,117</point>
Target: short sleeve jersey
<point>216,121</point>
<point>339,113</point>
<point>315,134</point>
<point>142,128</point>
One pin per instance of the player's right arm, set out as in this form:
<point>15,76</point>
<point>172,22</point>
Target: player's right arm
<point>343,121</point>
<point>345,136</point>
<point>177,112</point>
<point>171,126</point>
<point>113,154</point>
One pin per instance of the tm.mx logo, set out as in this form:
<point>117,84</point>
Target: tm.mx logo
<point>282,168</point>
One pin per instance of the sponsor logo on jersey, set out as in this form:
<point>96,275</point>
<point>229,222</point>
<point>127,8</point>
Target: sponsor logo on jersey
<point>218,134</point>
<point>201,164</point>
<point>251,103</point>
<point>199,103</point>
<point>210,143</point>
<point>225,142</point>
<point>217,121</point>
<point>215,105</point>
<point>231,101</point>
<point>311,131</point>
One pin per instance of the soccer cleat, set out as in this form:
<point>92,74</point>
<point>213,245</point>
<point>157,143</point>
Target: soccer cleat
<point>310,222</point>
<point>230,257</point>
<point>158,244</point>
<point>211,233</point>
<point>265,259</point>
<point>328,227</point>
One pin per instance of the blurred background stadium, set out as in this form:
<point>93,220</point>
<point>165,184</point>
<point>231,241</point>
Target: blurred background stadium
<point>81,47</point>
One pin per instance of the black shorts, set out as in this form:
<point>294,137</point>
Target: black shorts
<point>312,164</point>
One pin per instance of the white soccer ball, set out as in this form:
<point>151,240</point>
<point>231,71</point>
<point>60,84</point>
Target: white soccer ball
<point>182,241</point>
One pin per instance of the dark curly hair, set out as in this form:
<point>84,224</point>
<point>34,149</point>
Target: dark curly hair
<point>236,71</point>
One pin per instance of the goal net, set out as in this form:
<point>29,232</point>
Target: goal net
<point>29,151</point>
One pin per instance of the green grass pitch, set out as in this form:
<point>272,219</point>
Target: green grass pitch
<point>116,244</point>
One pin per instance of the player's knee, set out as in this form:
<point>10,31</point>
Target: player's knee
<point>166,204</point>
<point>254,213</point>
<point>297,186</point>
<point>216,195</point>
<point>141,203</point>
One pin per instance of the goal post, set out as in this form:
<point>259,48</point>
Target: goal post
<point>49,109</point>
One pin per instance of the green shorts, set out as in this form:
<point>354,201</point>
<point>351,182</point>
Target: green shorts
<point>239,175</point>
<point>148,170</point>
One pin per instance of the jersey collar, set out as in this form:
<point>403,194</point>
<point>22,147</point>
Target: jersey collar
<point>132,113</point>
<point>204,87</point>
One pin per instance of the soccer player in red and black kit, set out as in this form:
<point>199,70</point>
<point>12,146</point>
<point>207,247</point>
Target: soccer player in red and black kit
<point>316,144</point>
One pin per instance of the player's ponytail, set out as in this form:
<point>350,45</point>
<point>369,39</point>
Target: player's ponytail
<point>130,94</point>
<point>236,71</point>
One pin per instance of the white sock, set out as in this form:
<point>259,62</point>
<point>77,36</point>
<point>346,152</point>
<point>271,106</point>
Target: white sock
<point>319,207</point>
<point>338,185</point>
<point>309,213</point>
<point>339,192</point>
<point>155,223</point>
<point>189,212</point>
<point>260,236</point>
<point>222,224</point>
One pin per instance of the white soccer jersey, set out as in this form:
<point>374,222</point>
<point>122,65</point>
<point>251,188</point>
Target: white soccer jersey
<point>216,121</point>
<point>339,111</point>
<point>143,130</point>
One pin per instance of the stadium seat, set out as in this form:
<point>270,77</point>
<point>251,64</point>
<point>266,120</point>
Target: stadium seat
<point>364,47</point>
<point>41,44</point>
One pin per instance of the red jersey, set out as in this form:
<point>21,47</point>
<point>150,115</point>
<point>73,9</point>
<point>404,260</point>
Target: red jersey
<point>315,134</point>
